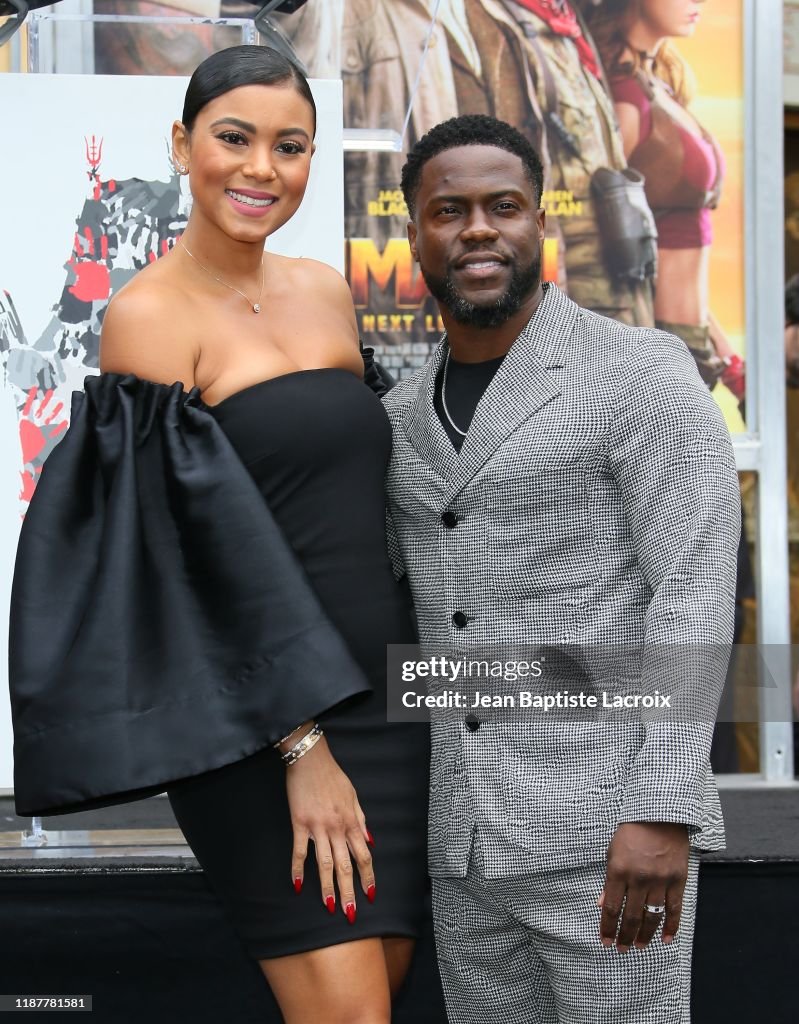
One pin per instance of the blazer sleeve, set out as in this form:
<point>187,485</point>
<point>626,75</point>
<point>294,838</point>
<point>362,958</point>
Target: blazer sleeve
<point>673,461</point>
<point>161,626</point>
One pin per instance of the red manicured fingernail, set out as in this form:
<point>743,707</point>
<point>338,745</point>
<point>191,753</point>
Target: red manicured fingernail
<point>330,903</point>
<point>349,910</point>
<point>370,839</point>
<point>297,884</point>
<point>370,893</point>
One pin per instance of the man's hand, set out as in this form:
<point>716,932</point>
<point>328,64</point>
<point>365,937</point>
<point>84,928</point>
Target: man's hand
<point>647,864</point>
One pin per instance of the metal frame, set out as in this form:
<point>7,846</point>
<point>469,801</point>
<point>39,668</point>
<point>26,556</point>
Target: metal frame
<point>763,449</point>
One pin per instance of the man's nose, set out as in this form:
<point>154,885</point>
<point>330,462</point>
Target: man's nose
<point>478,228</point>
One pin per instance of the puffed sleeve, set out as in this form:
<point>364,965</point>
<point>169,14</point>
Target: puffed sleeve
<point>375,376</point>
<point>161,626</point>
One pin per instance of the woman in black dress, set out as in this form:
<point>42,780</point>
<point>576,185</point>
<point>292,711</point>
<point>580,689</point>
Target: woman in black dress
<point>228,587</point>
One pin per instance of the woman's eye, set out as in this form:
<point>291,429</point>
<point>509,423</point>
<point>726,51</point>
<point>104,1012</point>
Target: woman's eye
<point>291,147</point>
<point>234,138</point>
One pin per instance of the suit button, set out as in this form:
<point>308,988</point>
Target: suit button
<point>449,518</point>
<point>472,723</point>
<point>459,619</point>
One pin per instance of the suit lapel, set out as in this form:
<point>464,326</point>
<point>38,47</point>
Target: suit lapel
<point>522,385</point>
<point>422,425</point>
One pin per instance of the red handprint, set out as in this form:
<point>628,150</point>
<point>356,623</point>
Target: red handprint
<point>39,430</point>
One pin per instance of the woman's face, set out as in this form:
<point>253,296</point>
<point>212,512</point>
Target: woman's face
<point>249,157</point>
<point>667,18</point>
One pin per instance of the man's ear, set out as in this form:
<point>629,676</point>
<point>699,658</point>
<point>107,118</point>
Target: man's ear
<point>412,240</point>
<point>541,218</point>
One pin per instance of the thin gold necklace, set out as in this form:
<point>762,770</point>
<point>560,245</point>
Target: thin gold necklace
<point>256,306</point>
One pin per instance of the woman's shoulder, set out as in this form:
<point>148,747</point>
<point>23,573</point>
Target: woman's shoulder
<point>147,293</point>
<point>316,280</point>
<point>304,270</point>
<point>141,331</point>
<point>630,89</point>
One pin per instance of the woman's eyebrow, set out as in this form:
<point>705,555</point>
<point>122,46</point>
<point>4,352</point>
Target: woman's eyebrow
<point>248,127</point>
<point>238,123</point>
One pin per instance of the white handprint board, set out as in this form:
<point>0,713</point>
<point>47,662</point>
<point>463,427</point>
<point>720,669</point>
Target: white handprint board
<point>88,197</point>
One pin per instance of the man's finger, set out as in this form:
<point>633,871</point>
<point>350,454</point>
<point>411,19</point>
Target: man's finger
<point>611,911</point>
<point>631,918</point>
<point>652,916</point>
<point>673,912</point>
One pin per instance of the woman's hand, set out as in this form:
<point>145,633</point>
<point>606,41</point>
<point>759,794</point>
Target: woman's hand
<point>324,807</point>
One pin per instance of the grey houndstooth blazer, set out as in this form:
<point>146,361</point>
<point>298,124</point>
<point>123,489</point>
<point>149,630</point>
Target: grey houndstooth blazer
<point>597,503</point>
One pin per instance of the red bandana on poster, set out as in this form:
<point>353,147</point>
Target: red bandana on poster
<point>563,22</point>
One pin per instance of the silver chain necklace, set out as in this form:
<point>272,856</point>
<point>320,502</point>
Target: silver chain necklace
<point>452,423</point>
<point>256,306</point>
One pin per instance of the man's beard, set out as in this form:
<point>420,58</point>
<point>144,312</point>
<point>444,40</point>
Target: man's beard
<point>523,282</point>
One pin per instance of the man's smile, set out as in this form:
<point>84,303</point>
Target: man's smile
<point>478,265</point>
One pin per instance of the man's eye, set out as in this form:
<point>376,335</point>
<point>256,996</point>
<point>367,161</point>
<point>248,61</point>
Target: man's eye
<point>448,210</point>
<point>234,138</point>
<point>506,205</point>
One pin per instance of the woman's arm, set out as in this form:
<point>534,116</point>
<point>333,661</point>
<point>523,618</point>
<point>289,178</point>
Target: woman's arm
<point>719,338</point>
<point>734,374</point>
<point>629,120</point>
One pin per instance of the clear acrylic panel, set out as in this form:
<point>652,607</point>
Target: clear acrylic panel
<point>107,42</point>
<point>137,44</point>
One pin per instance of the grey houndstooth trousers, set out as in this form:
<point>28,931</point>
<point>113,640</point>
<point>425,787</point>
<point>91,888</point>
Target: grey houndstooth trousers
<point>525,949</point>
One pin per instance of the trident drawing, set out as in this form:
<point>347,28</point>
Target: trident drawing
<point>94,154</point>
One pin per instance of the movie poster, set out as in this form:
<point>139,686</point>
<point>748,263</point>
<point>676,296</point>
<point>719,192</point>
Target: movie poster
<point>597,87</point>
<point>572,77</point>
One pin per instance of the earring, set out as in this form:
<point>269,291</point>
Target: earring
<point>181,168</point>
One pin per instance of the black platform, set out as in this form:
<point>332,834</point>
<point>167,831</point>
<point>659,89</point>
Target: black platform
<point>145,937</point>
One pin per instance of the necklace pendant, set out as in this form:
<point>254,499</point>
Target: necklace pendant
<point>256,307</point>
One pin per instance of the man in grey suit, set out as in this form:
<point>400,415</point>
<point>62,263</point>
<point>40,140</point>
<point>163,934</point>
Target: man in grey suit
<point>557,478</point>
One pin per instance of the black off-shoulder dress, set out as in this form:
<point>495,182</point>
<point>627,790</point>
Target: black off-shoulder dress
<point>191,583</point>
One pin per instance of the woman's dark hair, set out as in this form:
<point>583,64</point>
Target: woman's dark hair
<point>241,65</point>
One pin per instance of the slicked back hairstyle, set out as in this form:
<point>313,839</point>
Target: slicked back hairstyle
<point>241,65</point>
<point>469,130</point>
<point>792,301</point>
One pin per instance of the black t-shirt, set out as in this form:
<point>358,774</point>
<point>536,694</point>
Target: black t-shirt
<point>466,384</point>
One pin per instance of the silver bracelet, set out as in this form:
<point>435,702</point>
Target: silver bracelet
<point>286,737</point>
<point>301,747</point>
